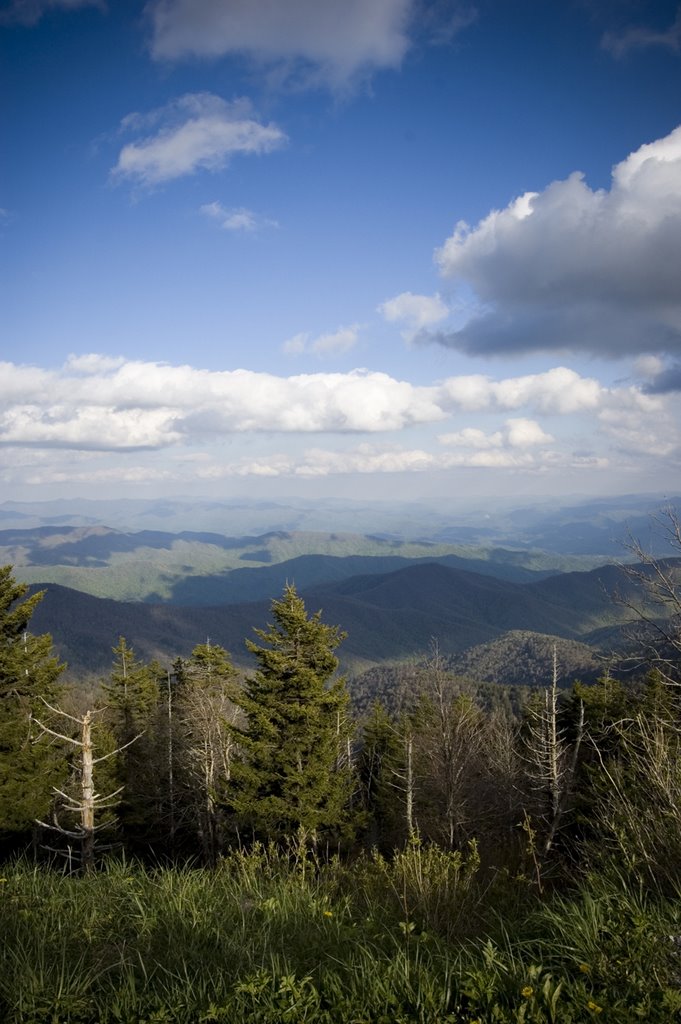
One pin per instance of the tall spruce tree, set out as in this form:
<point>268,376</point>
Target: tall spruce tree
<point>293,777</point>
<point>133,699</point>
<point>29,673</point>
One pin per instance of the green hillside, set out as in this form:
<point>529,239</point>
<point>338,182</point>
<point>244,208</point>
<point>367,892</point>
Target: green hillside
<point>388,617</point>
<point>209,568</point>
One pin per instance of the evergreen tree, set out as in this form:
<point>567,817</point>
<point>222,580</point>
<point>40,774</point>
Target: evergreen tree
<point>384,772</point>
<point>133,700</point>
<point>294,777</point>
<point>29,673</point>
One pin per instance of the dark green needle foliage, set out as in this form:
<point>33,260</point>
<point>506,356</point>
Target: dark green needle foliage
<point>132,698</point>
<point>29,674</point>
<point>294,776</point>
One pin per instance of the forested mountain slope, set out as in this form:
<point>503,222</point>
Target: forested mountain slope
<point>387,617</point>
<point>209,568</point>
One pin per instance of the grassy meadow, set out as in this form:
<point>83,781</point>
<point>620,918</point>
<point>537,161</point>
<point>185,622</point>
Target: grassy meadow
<point>273,937</point>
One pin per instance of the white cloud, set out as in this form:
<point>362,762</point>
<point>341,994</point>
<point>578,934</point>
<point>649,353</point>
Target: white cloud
<point>237,218</point>
<point>472,437</point>
<point>198,131</point>
<point>29,12</point>
<point>201,401</point>
<point>296,345</point>
<point>517,433</point>
<point>342,340</point>
<point>375,459</point>
<point>93,363</point>
<point>524,433</point>
<point>313,463</point>
<point>321,40</point>
<point>560,391</point>
<point>112,410</point>
<point>641,424</point>
<point>138,404</point>
<point>648,367</point>
<point>574,269</point>
<point>416,312</point>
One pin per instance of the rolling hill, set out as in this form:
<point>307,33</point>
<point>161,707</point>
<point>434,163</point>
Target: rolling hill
<point>388,617</point>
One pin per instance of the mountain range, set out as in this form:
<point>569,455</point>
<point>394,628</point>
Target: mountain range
<point>392,593</point>
<point>388,617</point>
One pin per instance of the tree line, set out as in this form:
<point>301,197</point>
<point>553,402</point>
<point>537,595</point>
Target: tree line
<point>187,762</point>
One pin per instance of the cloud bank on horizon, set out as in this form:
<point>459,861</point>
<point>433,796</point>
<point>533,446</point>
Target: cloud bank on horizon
<point>238,261</point>
<point>99,405</point>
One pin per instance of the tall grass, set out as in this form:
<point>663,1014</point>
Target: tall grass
<point>270,938</point>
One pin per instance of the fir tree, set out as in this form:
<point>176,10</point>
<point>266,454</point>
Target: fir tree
<point>133,700</point>
<point>294,777</point>
<point>29,673</point>
<point>384,775</point>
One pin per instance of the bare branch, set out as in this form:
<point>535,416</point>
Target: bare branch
<point>51,732</point>
<point>111,753</point>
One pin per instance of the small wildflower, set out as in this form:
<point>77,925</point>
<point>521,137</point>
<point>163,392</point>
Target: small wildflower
<point>594,1007</point>
<point>584,968</point>
<point>528,991</point>
<point>328,913</point>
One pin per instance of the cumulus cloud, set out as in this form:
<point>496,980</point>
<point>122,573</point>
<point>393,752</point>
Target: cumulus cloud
<point>517,433</point>
<point>335,342</point>
<point>415,312</point>
<point>641,37</point>
<point>560,391</point>
<point>571,268</point>
<point>198,131</point>
<point>229,401</point>
<point>316,41</point>
<point>109,408</point>
<point>29,12</point>
<point>237,218</point>
<point>93,403</point>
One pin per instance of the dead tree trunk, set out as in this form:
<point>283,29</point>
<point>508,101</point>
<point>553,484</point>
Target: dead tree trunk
<point>552,760</point>
<point>88,801</point>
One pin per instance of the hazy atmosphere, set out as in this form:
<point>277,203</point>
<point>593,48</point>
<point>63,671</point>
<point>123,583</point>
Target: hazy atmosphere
<point>384,248</point>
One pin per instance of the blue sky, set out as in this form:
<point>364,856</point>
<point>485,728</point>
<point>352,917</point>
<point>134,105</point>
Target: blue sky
<point>370,248</point>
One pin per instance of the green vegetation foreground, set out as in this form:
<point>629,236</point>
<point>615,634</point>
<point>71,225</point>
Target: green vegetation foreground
<point>270,938</point>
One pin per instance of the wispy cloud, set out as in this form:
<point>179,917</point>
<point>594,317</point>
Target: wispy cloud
<point>29,12</point>
<point>414,312</point>
<point>570,268</point>
<point>314,42</point>
<point>237,218</point>
<point>342,340</point>
<point>198,131</point>
<point>642,37</point>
